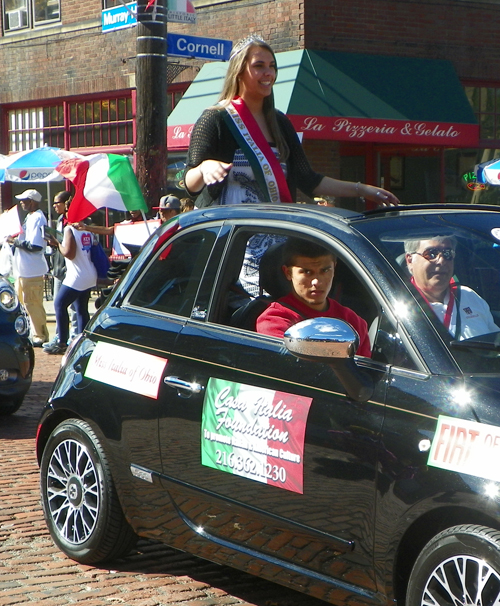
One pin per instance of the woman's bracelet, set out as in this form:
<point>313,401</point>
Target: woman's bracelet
<point>358,194</point>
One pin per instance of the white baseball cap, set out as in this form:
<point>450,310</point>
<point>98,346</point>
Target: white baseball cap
<point>30,194</point>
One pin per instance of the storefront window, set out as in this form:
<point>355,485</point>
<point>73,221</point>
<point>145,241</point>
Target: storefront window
<point>93,123</point>
<point>101,123</point>
<point>35,127</point>
<point>485,101</point>
<point>25,14</point>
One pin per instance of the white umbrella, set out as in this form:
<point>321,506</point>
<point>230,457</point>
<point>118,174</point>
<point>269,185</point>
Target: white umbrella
<point>488,172</point>
<point>35,166</point>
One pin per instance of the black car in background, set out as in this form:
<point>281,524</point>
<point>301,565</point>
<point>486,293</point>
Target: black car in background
<point>355,480</point>
<point>16,352</point>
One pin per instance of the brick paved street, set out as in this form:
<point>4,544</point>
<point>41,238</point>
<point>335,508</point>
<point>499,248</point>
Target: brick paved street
<point>34,571</point>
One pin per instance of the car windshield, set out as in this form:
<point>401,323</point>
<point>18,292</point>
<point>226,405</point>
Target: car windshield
<point>447,257</point>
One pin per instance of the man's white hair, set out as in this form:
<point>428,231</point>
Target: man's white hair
<point>412,246</point>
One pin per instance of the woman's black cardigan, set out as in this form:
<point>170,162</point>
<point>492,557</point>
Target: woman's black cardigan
<point>211,139</point>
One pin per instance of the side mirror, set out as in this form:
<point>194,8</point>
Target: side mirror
<point>333,342</point>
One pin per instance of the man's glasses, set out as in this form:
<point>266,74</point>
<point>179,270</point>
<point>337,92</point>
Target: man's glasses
<point>431,254</point>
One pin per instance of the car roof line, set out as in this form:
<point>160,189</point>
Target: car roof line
<point>381,210</point>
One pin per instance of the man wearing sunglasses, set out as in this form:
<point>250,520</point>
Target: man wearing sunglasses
<point>431,265</point>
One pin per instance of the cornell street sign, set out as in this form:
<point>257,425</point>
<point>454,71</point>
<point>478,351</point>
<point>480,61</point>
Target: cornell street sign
<point>180,45</point>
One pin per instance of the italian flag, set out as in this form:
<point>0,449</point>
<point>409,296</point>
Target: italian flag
<point>180,6</point>
<point>255,433</point>
<point>101,181</point>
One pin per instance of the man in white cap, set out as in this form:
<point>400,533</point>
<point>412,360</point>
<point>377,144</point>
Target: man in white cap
<point>169,207</point>
<point>30,265</point>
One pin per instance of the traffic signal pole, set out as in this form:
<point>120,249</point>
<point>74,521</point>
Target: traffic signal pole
<point>151,104</point>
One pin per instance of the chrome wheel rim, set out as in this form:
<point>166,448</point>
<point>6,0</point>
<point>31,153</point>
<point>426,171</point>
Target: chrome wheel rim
<point>73,495</point>
<point>462,581</point>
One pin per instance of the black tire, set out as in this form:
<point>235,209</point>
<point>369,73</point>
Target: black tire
<point>10,407</point>
<point>79,499</point>
<point>459,566</point>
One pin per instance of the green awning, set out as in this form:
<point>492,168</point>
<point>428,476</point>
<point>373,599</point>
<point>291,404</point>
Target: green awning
<point>348,96</point>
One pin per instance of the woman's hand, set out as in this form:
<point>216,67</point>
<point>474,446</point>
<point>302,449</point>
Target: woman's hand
<point>380,196</point>
<point>80,226</point>
<point>348,189</point>
<point>207,172</point>
<point>214,171</point>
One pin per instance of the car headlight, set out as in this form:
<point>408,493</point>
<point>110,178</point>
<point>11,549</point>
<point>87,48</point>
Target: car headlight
<point>21,325</point>
<point>8,297</point>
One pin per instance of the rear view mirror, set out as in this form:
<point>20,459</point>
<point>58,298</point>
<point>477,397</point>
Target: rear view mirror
<point>333,342</point>
<point>322,339</point>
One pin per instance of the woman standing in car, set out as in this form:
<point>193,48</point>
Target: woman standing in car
<point>244,150</point>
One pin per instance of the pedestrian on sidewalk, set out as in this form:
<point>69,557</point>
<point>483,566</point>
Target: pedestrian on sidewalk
<point>81,277</point>
<point>62,200</point>
<point>170,206</point>
<point>30,265</point>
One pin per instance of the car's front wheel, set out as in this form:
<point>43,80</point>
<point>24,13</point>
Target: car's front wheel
<point>79,499</point>
<point>460,566</point>
<point>9,407</point>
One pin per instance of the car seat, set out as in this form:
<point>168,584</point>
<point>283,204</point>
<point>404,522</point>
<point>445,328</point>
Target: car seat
<point>272,285</point>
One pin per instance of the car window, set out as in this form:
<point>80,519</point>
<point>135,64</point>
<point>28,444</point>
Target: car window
<point>252,277</point>
<point>388,346</point>
<point>474,283</point>
<point>171,280</point>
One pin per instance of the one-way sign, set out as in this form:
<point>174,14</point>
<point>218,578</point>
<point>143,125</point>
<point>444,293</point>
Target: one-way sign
<point>180,45</point>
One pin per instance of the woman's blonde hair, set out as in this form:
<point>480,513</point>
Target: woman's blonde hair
<point>237,64</point>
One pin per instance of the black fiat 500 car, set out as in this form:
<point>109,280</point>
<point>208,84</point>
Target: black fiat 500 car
<point>358,480</point>
<point>16,352</point>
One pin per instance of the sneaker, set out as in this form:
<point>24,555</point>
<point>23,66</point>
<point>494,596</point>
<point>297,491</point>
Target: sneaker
<point>50,343</point>
<point>55,348</point>
<point>38,342</point>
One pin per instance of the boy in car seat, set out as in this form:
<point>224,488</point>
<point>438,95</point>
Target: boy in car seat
<point>310,269</point>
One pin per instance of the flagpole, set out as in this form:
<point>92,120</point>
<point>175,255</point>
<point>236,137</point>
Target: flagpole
<point>146,222</point>
<point>49,206</point>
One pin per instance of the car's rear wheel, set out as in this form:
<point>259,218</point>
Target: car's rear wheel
<point>79,499</point>
<point>460,566</point>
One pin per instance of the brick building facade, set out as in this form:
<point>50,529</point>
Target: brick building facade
<point>67,83</point>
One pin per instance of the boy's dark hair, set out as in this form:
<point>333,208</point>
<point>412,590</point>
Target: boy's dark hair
<point>297,247</point>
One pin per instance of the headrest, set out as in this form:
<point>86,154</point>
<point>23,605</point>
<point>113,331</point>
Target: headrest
<point>271,276</point>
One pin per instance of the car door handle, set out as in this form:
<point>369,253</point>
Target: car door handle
<point>177,383</point>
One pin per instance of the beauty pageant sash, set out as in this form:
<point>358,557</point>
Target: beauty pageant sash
<point>266,167</point>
